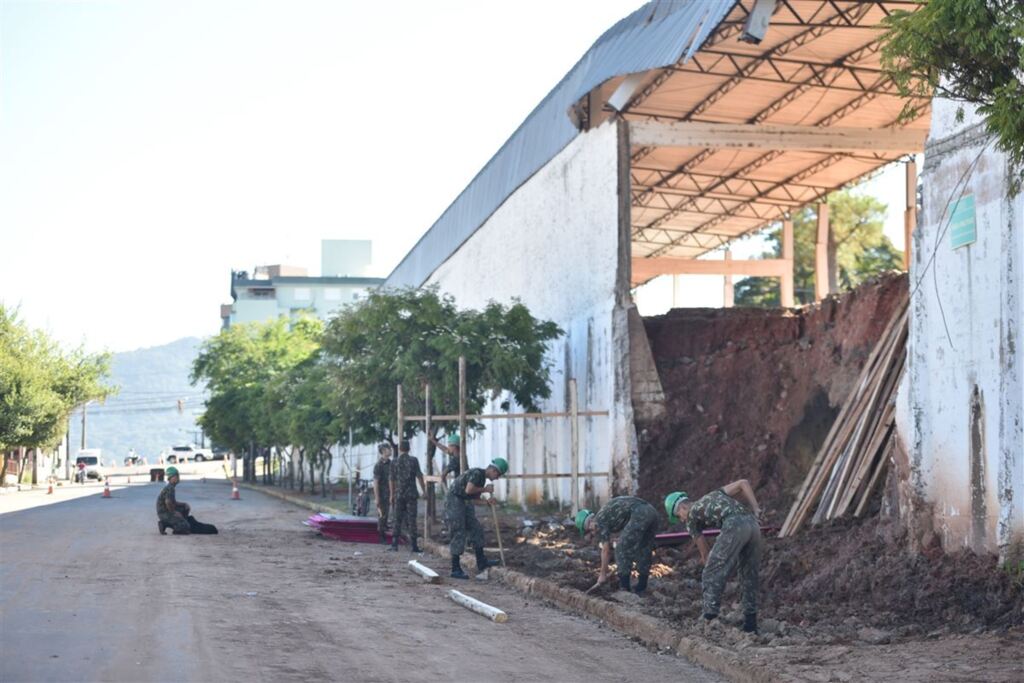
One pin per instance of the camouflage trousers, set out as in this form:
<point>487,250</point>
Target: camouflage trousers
<point>382,518</point>
<point>462,524</point>
<point>176,522</point>
<point>405,517</point>
<point>636,542</point>
<point>740,544</point>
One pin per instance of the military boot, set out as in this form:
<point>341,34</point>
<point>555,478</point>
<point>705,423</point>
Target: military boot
<point>394,544</point>
<point>161,527</point>
<point>383,538</point>
<point>641,584</point>
<point>624,582</point>
<point>750,623</point>
<point>415,548</point>
<point>482,562</point>
<point>457,572</point>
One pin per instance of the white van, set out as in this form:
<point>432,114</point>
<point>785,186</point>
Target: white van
<point>92,457</point>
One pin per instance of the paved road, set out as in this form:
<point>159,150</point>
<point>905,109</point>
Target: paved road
<point>90,591</point>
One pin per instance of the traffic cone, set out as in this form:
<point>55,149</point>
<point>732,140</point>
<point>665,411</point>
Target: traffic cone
<point>234,491</point>
<point>106,488</point>
<point>49,489</point>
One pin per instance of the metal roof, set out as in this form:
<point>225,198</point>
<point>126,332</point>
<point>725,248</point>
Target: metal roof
<point>658,34</point>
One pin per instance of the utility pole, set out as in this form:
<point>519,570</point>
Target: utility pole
<point>67,455</point>
<point>83,425</point>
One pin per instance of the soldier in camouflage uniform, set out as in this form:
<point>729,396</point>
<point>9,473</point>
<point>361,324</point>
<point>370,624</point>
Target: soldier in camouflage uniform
<point>406,472</point>
<point>738,545</point>
<point>382,489</point>
<point>636,522</point>
<point>169,512</point>
<point>461,517</point>
<point>453,450</point>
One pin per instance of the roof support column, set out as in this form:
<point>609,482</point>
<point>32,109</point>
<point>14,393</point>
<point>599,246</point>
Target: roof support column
<point>822,269</point>
<point>728,295</point>
<point>910,213</point>
<point>786,280</point>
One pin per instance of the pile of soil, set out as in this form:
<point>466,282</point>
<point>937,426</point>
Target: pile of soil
<point>847,582</point>
<point>751,393</point>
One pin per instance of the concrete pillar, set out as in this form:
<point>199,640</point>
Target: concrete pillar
<point>786,281</point>
<point>821,264</point>
<point>910,213</point>
<point>728,295</point>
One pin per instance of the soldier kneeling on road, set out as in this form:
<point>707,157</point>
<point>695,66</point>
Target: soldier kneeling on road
<point>739,543</point>
<point>636,522</point>
<point>461,517</point>
<point>174,515</point>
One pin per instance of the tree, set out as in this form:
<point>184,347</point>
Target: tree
<point>41,384</point>
<point>859,250</point>
<point>970,51</point>
<point>414,337</point>
<point>240,366</point>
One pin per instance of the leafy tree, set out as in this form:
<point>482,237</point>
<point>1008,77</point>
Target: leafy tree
<point>970,51</point>
<point>414,337</point>
<point>859,250</point>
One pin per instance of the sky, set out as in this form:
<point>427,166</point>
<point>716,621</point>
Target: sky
<point>147,148</point>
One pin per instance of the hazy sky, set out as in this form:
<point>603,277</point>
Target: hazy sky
<point>147,148</point>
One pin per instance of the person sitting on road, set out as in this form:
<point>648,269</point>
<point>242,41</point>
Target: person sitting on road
<point>461,517</point>
<point>170,513</point>
<point>636,522</point>
<point>739,543</point>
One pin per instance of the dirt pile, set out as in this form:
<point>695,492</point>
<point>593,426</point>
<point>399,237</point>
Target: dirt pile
<point>751,393</point>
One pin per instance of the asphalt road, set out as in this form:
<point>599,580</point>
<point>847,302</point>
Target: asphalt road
<point>90,592</point>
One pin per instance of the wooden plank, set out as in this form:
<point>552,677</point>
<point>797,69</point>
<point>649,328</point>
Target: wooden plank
<point>462,414</point>
<point>910,212</point>
<point>481,608</point>
<point>574,434</point>
<point>558,475</point>
<point>821,264</point>
<point>698,135</point>
<point>510,416</point>
<point>786,296</point>
<point>428,574</point>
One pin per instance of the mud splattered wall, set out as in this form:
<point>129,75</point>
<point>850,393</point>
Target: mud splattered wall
<point>555,245</point>
<point>959,410</point>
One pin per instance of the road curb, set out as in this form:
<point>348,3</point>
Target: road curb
<point>648,630</point>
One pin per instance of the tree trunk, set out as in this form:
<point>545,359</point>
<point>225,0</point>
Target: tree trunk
<point>6,455</point>
<point>35,466</point>
<point>312,476</point>
<point>302,470</point>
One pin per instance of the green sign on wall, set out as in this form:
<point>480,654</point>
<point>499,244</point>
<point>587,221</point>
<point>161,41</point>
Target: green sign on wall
<point>962,228</point>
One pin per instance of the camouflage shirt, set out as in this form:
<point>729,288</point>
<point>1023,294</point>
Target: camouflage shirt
<point>382,474</point>
<point>166,497</point>
<point>614,516</point>
<point>473,475</point>
<point>407,470</point>
<point>710,511</point>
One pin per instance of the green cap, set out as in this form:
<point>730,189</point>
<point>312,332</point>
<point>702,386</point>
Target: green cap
<point>500,464</point>
<point>670,504</point>
<point>581,518</point>
<point>453,439</point>
<point>171,472</point>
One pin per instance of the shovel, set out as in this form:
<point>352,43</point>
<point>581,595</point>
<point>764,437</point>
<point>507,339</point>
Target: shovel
<point>497,532</point>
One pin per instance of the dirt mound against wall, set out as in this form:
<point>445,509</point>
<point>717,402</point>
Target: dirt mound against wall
<point>751,393</point>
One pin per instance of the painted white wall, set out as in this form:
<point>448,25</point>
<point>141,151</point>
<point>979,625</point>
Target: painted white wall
<point>975,292</point>
<point>555,245</point>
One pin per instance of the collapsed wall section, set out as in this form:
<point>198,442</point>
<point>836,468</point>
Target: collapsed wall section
<point>556,244</point>
<point>751,393</point>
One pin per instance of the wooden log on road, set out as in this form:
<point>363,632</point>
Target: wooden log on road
<point>426,572</point>
<point>481,608</point>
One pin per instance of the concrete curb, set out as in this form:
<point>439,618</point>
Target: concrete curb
<point>646,629</point>
<point>288,498</point>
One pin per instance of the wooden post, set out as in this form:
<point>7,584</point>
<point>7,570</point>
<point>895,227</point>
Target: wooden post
<point>786,281</point>
<point>481,608</point>
<point>910,213</point>
<point>821,264</point>
<point>728,296</point>
<point>428,518</point>
<point>462,414</point>
<point>574,431</point>
<point>401,417</point>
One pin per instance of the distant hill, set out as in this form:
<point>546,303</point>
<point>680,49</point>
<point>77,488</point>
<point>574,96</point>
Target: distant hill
<point>144,414</point>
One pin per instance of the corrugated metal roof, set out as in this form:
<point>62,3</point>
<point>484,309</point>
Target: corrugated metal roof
<point>659,34</point>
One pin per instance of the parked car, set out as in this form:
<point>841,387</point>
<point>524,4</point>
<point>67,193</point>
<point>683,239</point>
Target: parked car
<point>93,467</point>
<point>180,454</point>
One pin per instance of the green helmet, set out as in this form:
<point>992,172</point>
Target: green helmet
<point>581,519</point>
<point>500,464</point>
<point>453,440</point>
<point>171,472</point>
<point>670,504</point>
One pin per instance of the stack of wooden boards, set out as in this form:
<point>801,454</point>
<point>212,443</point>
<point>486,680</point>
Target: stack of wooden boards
<point>853,460</point>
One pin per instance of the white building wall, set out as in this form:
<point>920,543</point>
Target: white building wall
<point>963,345</point>
<point>556,244</point>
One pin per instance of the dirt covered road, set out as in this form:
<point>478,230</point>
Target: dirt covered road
<point>90,591</point>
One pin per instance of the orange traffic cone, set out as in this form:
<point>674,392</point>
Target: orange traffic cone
<point>49,489</point>
<point>106,488</point>
<point>234,491</point>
